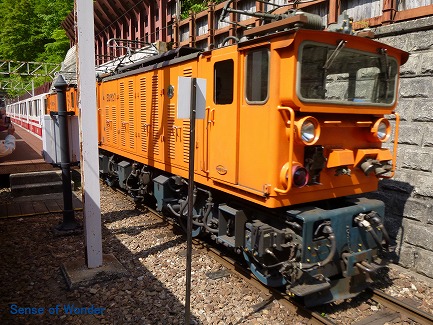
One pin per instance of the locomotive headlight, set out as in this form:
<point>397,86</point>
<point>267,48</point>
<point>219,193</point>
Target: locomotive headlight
<point>381,130</point>
<point>308,130</point>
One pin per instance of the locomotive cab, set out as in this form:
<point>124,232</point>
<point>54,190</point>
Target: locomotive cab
<point>324,104</point>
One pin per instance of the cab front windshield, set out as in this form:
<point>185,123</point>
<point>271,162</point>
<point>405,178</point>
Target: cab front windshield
<point>345,76</point>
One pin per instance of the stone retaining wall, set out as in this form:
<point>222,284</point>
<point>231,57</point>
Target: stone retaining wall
<point>409,195</point>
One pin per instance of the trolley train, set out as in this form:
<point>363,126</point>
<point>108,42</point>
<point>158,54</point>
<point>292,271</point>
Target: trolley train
<point>28,113</point>
<point>295,124</point>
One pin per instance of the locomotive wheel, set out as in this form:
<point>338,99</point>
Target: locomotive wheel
<point>271,280</point>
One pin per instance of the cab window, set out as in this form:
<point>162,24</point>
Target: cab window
<point>257,76</point>
<point>223,82</point>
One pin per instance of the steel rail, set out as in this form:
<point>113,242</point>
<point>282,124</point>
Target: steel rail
<point>401,307</point>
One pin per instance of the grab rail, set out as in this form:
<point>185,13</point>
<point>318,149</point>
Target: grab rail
<point>290,125</point>
<point>394,153</point>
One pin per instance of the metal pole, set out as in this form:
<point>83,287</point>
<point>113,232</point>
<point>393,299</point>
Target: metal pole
<point>190,202</point>
<point>69,222</point>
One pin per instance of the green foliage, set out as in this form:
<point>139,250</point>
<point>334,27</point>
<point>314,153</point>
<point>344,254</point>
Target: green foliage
<point>51,13</point>
<point>55,51</point>
<point>31,31</point>
<point>20,33</point>
<point>195,6</point>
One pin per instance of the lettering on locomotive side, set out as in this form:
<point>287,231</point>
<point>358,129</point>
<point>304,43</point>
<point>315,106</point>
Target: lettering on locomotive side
<point>111,97</point>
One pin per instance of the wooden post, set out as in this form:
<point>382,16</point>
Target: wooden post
<point>334,11</point>
<point>389,10</point>
<point>191,29</point>
<point>210,23</point>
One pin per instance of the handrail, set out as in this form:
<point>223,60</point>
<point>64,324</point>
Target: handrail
<point>394,154</point>
<point>290,125</point>
<point>205,167</point>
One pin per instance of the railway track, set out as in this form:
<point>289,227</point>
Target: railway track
<point>394,308</point>
<point>401,308</point>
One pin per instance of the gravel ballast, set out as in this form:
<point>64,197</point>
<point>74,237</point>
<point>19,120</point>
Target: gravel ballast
<point>153,291</point>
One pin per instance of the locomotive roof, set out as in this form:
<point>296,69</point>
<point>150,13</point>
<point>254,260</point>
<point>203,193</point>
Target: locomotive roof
<point>288,26</point>
<point>181,54</point>
<point>329,37</point>
<point>361,43</point>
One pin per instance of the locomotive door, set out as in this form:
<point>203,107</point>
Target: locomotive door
<point>221,135</point>
<point>254,125</point>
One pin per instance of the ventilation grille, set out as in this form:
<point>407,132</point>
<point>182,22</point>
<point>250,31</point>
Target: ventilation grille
<point>108,125</point>
<point>143,116</point>
<point>185,125</point>
<point>122,114</point>
<point>187,72</point>
<point>155,113</point>
<point>114,124</point>
<point>186,138</point>
<point>172,131</point>
<point>131,126</point>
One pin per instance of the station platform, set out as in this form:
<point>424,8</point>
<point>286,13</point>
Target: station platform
<point>37,205</point>
<point>27,156</point>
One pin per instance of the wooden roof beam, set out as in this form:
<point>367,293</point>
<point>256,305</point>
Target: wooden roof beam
<point>119,5</point>
<point>99,24</point>
<point>111,9</point>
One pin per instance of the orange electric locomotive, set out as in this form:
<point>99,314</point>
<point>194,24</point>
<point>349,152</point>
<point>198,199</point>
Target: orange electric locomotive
<point>293,132</point>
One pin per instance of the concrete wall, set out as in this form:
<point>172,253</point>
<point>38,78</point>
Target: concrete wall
<point>409,196</point>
